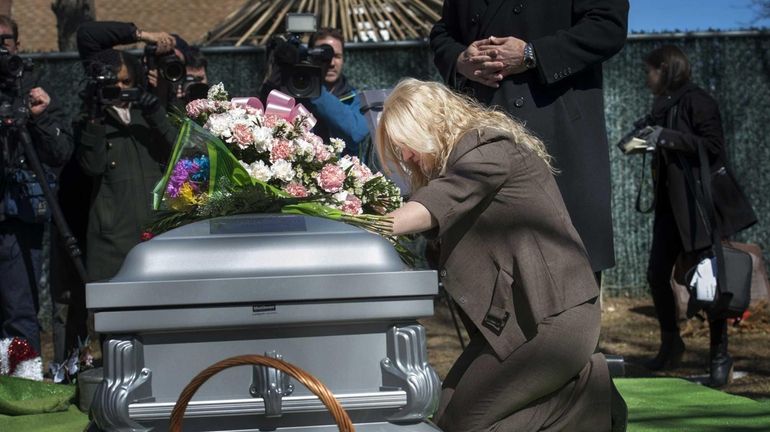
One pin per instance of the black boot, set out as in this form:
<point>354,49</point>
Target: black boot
<point>721,363</point>
<point>670,353</point>
<point>618,410</point>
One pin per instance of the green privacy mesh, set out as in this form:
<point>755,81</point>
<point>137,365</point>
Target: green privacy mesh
<point>734,69</point>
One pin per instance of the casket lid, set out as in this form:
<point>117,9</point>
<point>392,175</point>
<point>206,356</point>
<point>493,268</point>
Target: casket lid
<point>260,257</point>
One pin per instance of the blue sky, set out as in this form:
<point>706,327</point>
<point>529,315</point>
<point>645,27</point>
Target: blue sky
<point>691,15</point>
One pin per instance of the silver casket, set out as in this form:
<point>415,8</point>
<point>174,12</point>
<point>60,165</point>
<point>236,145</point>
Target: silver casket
<point>327,297</point>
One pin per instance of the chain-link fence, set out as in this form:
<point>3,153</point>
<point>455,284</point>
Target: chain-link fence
<point>733,67</point>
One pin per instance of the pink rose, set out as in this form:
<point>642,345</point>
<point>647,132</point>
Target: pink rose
<point>281,150</point>
<point>242,135</point>
<point>296,190</point>
<point>331,178</point>
<point>352,205</point>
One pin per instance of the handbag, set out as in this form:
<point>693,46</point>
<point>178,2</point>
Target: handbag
<point>720,281</point>
<point>728,300</point>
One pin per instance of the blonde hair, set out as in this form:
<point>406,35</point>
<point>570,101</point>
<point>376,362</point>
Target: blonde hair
<point>429,118</point>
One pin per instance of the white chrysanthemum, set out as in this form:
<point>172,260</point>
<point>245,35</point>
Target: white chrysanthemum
<point>282,170</point>
<point>338,144</point>
<point>260,171</point>
<point>218,92</point>
<point>263,138</point>
<point>341,196</point>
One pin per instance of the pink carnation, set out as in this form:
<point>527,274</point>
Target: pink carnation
<point>281,150</point>
<point>331,178</point>
<point>271,120</point>
<point>197,107</point>
<point>242,135</point>
<point>360,171</point>
<point>322,154</point>
<point>296,190</point>
<point>352,205</point>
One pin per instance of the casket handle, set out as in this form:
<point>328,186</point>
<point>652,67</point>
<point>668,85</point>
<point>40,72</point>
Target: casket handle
<point>312,383</point>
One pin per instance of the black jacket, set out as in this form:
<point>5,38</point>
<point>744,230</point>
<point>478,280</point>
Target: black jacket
<point>561,100</point>
<point>51,137</point>
<point>691,119</point>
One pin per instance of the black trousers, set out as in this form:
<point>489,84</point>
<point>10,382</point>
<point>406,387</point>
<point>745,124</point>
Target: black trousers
<point>666,246</point>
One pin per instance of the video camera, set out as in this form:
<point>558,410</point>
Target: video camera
<point>170,67</point>
<point>194,88</point>
<point>300,69</point>
<point>12,67</point>
<point>102,82</point>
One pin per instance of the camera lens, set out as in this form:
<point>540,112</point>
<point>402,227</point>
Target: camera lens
<point>11,65</point>
<point>173,70</point>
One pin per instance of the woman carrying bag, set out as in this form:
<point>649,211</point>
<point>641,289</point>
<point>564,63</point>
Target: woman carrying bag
<point>687,120</point>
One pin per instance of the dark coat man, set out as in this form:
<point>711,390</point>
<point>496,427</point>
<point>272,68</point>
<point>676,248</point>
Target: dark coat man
<point>558,96</point>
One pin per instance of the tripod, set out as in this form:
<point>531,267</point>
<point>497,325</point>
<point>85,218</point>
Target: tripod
<point>16,121</point>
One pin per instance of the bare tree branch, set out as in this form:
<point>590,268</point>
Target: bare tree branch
<point>69,15</point>
<point>761,9</point>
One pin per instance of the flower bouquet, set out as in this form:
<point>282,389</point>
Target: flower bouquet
<point>238,156</point>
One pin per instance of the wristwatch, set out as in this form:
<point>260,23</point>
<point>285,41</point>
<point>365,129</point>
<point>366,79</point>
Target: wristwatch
<point>529,56</point>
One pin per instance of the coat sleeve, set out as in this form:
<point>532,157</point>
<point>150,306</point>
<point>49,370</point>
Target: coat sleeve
<point>95,36</point>
<point>345,121</point>
<point>599,33</point>
<point>446,45</point>
<point>705,122</point>
<point>467,183</point>
<point>162,128</point>
<point>52,136</point>
<point>91,153</point>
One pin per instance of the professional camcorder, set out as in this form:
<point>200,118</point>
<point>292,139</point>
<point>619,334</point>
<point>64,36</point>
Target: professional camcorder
<point>102,83</point>
<point>296,69</point>
<point>170,67</point>
<point>194,88</point>
<point>12,67</point>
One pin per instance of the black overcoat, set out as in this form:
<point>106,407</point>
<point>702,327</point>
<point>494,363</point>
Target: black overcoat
<point>691,118</point>
<point>561,100</point>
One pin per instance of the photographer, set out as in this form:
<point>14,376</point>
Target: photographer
<point>338,108</point>
<point>196,83</point>
<point>123,144</point>
<point>24,210</point>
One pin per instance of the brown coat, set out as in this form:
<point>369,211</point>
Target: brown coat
<point>510,256</point>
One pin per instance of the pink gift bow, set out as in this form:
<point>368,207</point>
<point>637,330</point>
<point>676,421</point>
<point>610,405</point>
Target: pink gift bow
<point>279,104</point>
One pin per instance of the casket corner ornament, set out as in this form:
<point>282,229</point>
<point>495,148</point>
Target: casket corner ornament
<point>406,367</point>
<point>126,380</point>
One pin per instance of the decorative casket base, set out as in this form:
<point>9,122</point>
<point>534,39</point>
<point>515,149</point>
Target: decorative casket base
<point>327,297</point>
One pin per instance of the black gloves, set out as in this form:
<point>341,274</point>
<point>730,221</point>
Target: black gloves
<point>148,103</point>
<point>649,135</point>
<point>642,140</point>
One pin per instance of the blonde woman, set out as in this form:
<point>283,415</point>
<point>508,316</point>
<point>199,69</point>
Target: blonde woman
<point>511,260</point>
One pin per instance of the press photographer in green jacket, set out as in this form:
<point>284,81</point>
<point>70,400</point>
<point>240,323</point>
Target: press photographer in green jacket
<point>124,146</point>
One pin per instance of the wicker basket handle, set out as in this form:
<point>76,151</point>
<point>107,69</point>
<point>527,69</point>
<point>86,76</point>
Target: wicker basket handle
<point>312,383</point>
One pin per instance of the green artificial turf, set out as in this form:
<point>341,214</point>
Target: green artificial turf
<point>672,404</point>
<point>654,404</point>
